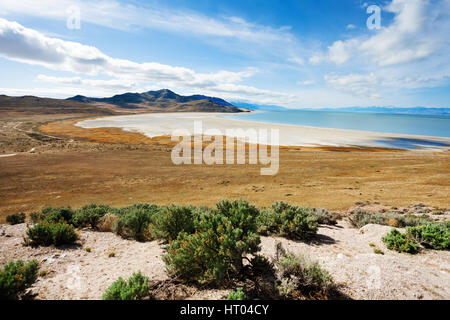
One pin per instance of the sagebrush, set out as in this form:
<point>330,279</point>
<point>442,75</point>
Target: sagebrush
<point>136,288</point>
<point>16,277</point>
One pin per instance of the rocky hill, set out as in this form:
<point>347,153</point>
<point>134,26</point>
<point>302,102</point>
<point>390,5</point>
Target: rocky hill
<point>162,100</point>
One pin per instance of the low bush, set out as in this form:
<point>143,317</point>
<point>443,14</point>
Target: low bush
<point>90,215</point>
<point>46,234</point>
<point>401,242</point>
<point>106,223</point>
<point>50,215</point>
<point>324,217</point>
<point>168,222</point>
<point>268,222</point>
<point>431,235</point>
<point>299,223</point>
<point>133,222</point>
<point>237,294</point>
<point>136,288</point>
<point>359,218</point>
<point>15,218</point>
<point>410,220</point>
<point>222,239</point>
<point>16,277</point>
<point>261,266</point>
<point>298,274</point>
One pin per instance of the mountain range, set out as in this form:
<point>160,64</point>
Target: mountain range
<point>163,101</point>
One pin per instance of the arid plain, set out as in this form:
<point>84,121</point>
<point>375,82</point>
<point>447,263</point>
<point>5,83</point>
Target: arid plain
<point>57,163</point>
<point>48,161</point>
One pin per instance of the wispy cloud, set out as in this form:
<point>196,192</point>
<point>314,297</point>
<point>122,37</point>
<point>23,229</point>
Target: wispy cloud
<point>31,47</point>
<point>411,52</point>
<point>357,84</point>
<point>122,16</point>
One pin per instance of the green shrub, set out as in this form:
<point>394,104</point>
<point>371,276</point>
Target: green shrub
<point>431,235</point>
<point>323,216</point>
<point>136,206</point>
<point>170,221</point>
<point>50,215</point>
<point>16,277</point>
<point>269,222</point>
<point>410,220</point>
<point>298,223</point>
<point>395,240</point>
<point>46,234</point>
<point>133,222</point>
<point>299,274</point>
<point>15,218</point>
<point>216,250</point>
<point>359,218</point>
<point>136,288</point>
<point>294,222</point>
<point>237,294</point>
<point>261,266</point>
<point>90,215</point>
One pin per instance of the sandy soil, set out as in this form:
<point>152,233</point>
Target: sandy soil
<point>74,273</point>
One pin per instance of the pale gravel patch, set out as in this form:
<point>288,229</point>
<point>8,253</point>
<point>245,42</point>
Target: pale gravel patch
<point>75,273</point>
<point>353,263</point>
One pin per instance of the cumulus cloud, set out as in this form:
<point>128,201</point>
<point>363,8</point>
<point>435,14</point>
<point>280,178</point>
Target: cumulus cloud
<point>412,52</point>
<point>341,51</point>
<point>30,46</point>
<point>419,30</point>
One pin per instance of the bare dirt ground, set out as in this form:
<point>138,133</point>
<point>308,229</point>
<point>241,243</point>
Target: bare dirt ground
<point>74,273</point>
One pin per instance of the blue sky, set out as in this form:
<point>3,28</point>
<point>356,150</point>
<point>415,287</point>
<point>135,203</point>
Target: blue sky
<point>298,54</point>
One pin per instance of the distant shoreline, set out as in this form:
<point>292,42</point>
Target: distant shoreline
<point>163,124</point>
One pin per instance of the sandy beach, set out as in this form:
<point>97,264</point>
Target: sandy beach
<point>164,124</point>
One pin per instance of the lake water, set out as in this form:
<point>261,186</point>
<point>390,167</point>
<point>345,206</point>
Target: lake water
<point>437,126</point>
<point>302,128</point>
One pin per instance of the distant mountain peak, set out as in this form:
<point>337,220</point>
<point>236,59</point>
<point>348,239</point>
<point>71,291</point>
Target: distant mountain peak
<point>161,100</point>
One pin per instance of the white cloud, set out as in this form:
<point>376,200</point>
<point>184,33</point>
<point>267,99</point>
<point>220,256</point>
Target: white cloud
<point>114,84</point>
<point>123,16</point>
<point>305,82</point>
<point>419,30</point>
<point>356,84</point>
<point>316,59</point>
<point>29,46</point>
<point>341,51</point>
<point>350,27</point>
<point>412,52</point>
<point>297,60</point>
